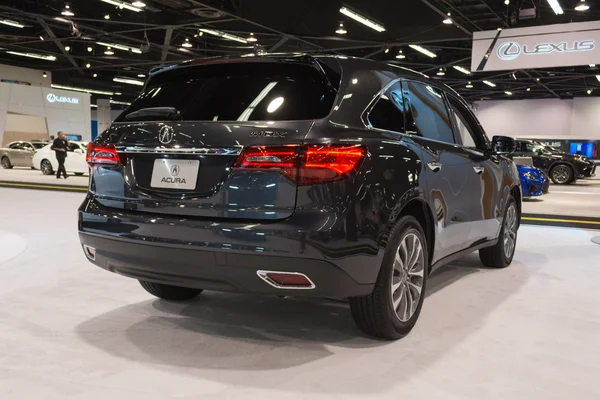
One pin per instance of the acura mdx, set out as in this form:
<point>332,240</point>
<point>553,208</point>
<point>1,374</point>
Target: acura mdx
<point>298,176</point>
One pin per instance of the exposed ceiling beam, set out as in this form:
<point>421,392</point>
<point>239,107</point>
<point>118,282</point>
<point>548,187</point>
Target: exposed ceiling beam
<point>443,14</point>
<point>58,44</point>
<point>166,44</point>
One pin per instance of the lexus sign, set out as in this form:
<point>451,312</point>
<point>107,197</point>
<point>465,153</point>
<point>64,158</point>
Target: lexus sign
<point>537,47</point>
<point>52,98</point>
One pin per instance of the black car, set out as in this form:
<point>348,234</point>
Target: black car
<point>585,166</point>
<point>298,176</point>
<point>562,168</point>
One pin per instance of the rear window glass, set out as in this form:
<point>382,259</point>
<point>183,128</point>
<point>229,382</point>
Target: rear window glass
<point>238,92</point>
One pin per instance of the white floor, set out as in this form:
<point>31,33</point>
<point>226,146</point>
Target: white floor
<point>69,330</point>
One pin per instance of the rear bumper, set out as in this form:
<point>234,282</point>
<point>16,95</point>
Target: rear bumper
<point>225,256</point>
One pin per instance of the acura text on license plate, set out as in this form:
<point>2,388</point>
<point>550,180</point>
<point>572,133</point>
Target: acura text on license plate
<point>175,174</point>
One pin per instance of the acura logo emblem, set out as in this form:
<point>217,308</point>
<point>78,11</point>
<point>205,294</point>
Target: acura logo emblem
<point>175,170</point>
<point>166,134</point>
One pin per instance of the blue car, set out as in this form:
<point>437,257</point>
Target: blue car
<point>534,181</point>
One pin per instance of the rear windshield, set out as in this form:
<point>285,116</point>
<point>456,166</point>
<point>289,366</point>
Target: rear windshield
<point>238,92</point>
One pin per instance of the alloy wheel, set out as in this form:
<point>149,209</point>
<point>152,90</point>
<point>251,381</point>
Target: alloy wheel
<point>6,163</point>
<point>408,277</point>
<point>46,167</point>
<point>510,231</point>
<point>561,174</point>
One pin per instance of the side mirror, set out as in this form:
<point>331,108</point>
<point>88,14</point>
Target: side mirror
<point>503,144</point>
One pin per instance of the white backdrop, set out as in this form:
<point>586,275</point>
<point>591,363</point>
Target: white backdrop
<point>577,118</point>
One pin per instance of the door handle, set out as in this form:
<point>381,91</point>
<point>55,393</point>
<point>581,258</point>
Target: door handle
<point>478,169</point>
<point>434,166</point>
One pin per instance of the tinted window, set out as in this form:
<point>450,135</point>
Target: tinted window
<point>26,146</point>
<point>427,116</point>
<point>464,124</point>
<point>73,146</point>
<point>14,146</point>
<point>39,145</point>
<point>239,92</point>
<point>388,113</point>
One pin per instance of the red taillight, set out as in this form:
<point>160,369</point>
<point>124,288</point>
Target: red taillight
<point>305,165</point>
<point>101,154</point>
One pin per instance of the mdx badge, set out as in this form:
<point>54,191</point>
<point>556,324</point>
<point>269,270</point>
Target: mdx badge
<point>269,134</point>
<point>166,134</point>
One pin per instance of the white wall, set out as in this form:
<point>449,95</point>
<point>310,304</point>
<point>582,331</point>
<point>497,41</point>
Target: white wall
<point>577,118</point>
<point>113,114</point>
<point>60,116</point>
<point>33,76</point>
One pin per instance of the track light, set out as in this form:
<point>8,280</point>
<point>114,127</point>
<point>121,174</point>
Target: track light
<point>251,38</point>
<point>341,30</point>
<point>461,69</point>
<point>491,84</point>
<point>555,7</point>
<point>447,21</point>
<point>422,50</point>
<point>187,43</point>
<point>441,72</point>
<point>12,23</point>
<point>224,35</point>
<point>32,55</point>
<point>469,85</point>
<point>128,81</point>
<point>123,4</point>
<point>76,89</point>
<point>582,7</point>
<point>362,19</point>
<point>400,55</point>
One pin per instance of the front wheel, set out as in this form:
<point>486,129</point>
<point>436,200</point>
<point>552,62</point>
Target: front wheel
<point>501,254</point>
<point>392,310</point>
<point>168,292</point>
<point>46,167</point>
<point>562,174</point>
<point>6,163</point>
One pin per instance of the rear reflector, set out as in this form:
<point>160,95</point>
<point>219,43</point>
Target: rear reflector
<point>101,154</point>
<point>305,165</point>
<point>286,280</point>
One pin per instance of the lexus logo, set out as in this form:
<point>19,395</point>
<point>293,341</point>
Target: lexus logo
<point>166,134</point>
<point>175,170</point>
<point>508,51</point>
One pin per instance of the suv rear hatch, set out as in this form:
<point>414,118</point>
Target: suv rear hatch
<point>176,149</point>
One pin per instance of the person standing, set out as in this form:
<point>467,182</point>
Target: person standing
<point>60,146</point>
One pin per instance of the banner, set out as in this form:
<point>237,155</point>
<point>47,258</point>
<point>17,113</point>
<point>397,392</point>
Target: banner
<point>559,45</point>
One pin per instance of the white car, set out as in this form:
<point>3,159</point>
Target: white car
<point>45,159</point>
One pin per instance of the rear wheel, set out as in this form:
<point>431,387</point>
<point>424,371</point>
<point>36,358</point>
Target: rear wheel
<point>392,310</point>
<point>501,254</point>
<point>168,292</point>
<point>46,167</point>
<point>562,174</point>
<point>6,163</point>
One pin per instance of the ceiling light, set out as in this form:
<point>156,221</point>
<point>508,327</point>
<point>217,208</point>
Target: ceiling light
<point>441,72</point>
<point>499,29</point>
<point>469,85</point>
<point>489,83</point>
<point>555,6</point>
<point>67,48</point>
<point>44,75</point>
<point>129,81</point>
<point>76,89</point>
<point>141,76</point>
<point>95,75</point>
<point>42,38</point>
<point>120,102</point>
<point>507,2</point>
<point>598,77</point>
<point>363,20</point>
<point>12,23</point>
<point>120,47</point>
<point>122,4</point>
<point>341,30</point>
<point>592,65</point>
<point>422,50</point>
<point>107,16</point>
<point>224,35</point>
<point>187,43</point>
<point>447,21</point>
<point>529,89</point>
<point>88,65</point>
<point>400,55</point>
<point>582,7</point>
<point>387,50</point>
<point>461,69</point>
<point>537,79</point>
<point>138,4</point>
<point>90,49</point>
<point>67,11</point>
<point>32,55</point>
<point>589,91</point>
<point>251,38</point>
<point>508,93</point>
<point>109,52</point>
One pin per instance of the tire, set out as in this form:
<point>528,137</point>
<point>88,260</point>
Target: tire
<point>168,292</point>
<point>78,173</point>
<point>501,254</point>
<point>46,167</point>
<point>375,314</point>
<point>6,163</point>
<point>562,174</point>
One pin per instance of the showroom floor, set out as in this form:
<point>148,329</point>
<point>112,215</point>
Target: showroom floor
<point>69,330</point>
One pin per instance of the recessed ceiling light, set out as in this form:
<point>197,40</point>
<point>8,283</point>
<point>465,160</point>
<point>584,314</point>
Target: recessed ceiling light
<point>67,48</point>
<point>95,75</point>
<point>107,16</point>
<point>491,84</point>
<point>12,23</point>
<point>469,85</point>
<point>447,21</point>
<point>89,49</point>
<point>422,50</point>
<point>507,2</point>
<point>582,7</point>
<point>461,69</point>
<point>88,65</point>
<point>589,91</point>
<point>32,55</point>
<point>529,89</point>
<point>555,7</point>
<point>441,72</point>
<point>537,79</point>
<point>362,19</point>
<point>400,55</point>
<point>251,38</point>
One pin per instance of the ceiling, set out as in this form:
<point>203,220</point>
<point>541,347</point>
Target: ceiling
<point>155,35</point>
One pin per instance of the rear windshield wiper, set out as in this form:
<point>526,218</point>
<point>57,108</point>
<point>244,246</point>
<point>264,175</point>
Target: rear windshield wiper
<point>166,112</point>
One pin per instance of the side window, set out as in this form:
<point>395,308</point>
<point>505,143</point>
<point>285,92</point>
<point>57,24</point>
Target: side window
<point>465,124</point>
<point>73,146</point>
<point>427,115</point>
<point>15,146</point>
<point>388,112</point>
<point>26,146</point>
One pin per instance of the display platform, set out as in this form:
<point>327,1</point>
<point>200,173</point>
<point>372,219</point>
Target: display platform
<point>69,327</point>
<point>23,178</point>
